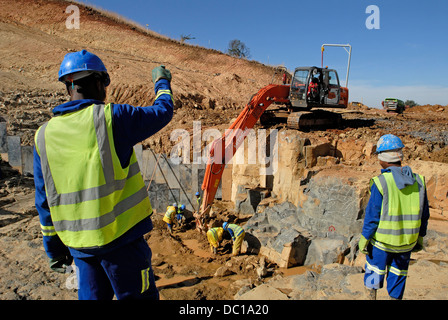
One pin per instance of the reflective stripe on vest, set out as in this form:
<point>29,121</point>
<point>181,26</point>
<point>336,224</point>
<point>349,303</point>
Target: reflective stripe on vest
<point>214,233</point>
<point>94,208</point>
<point>400,213</point>
<point>169,214</point>
<point>214,236</point>
<point>236,229</point>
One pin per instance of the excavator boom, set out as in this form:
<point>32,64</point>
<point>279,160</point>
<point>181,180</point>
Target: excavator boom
<point>223,149</point>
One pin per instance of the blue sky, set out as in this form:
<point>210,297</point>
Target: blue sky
<point>407,57</point>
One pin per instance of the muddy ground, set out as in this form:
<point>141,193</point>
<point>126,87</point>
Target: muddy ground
<point>184,267</point>
<point>183,264</point>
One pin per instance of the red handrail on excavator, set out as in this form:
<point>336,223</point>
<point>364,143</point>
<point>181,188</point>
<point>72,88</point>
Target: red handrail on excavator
<point>223,149</point>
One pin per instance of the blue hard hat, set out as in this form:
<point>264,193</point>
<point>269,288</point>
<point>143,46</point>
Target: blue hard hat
<point>197,194</point>
<point>389,142</point>
<point>224,225</point>
<point>82,61</point>
<point>182,207</point>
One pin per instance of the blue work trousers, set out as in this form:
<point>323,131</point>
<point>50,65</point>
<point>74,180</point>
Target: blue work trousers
<point>125,272</point>
<point>392,266</point>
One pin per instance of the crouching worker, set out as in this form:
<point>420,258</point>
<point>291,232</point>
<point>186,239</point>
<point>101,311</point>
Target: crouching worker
<point>169,216</point>
<point>214,236</point>
<point>237,233</point>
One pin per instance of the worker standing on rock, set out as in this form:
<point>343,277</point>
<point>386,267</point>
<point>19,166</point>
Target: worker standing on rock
<point>214,237</point>
<point>237,233</point>
<point>90,195</point>
<point>169,216</point>
<point>395,221</point>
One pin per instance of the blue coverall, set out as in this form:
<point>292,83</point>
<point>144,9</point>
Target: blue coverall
<point>380,263</point>
<point>117,267</point>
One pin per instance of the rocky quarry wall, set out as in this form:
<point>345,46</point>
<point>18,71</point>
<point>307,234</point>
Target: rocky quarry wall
<point>310,210</point>
<point>303,197</point>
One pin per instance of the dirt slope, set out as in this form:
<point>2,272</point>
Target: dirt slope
<point>34,40</point>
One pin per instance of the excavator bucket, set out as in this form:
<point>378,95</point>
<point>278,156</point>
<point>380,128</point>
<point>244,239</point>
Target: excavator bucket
<point>315,119</point>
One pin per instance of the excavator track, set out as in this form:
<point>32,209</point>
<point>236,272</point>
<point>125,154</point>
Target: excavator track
<point>316,119</point>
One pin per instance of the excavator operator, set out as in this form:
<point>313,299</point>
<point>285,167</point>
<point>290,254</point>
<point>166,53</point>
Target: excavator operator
<point>313,90</point>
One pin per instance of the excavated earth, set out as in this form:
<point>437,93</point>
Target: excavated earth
<point>210,87</point>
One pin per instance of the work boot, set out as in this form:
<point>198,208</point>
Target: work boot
<point>370,294</point>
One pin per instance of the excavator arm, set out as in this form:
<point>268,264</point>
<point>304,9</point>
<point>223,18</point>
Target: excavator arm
<point>223,149</point>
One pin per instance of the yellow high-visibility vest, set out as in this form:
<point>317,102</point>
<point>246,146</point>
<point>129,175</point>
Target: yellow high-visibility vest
<point>214,236</point>
<point>169,214</point>
<point>236,230</point>
<point>92,199</point>
<point>401,212</point>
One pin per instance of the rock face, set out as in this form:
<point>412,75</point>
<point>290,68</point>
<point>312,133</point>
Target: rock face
<point>318,198</point>
<point>276,234</point>
<point>436,175</point>
<point>247,199</point>
<point>333,205</point>
<point>319,231</point>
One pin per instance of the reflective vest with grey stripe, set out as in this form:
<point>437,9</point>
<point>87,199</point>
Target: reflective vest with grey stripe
<point>234,230</point>
<point>169,214</point>
<point>401,210</point>
<point>214,233</point>
<point>92,199</point>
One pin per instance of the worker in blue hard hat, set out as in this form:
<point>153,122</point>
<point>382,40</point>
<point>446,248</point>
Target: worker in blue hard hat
<point>395,222</point>
<point>81,65</point>
<point>170,216</point>
<point>91,199</point>
<point>180,216</point>
<point>237,234</point>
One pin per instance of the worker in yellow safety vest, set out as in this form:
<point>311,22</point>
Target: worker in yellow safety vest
<point>214,237</point>
<point>395,222</point>
<point>237,233</point>
<point>91,199</point>
<point>170,216</point>
<point>198,200</point>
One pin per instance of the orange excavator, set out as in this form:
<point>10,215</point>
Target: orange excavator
<point>310,87</point>
<point>222,150</point>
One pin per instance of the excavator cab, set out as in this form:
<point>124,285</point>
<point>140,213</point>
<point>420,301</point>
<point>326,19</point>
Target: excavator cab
<point>299,88</point>
<point>315,87</point>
